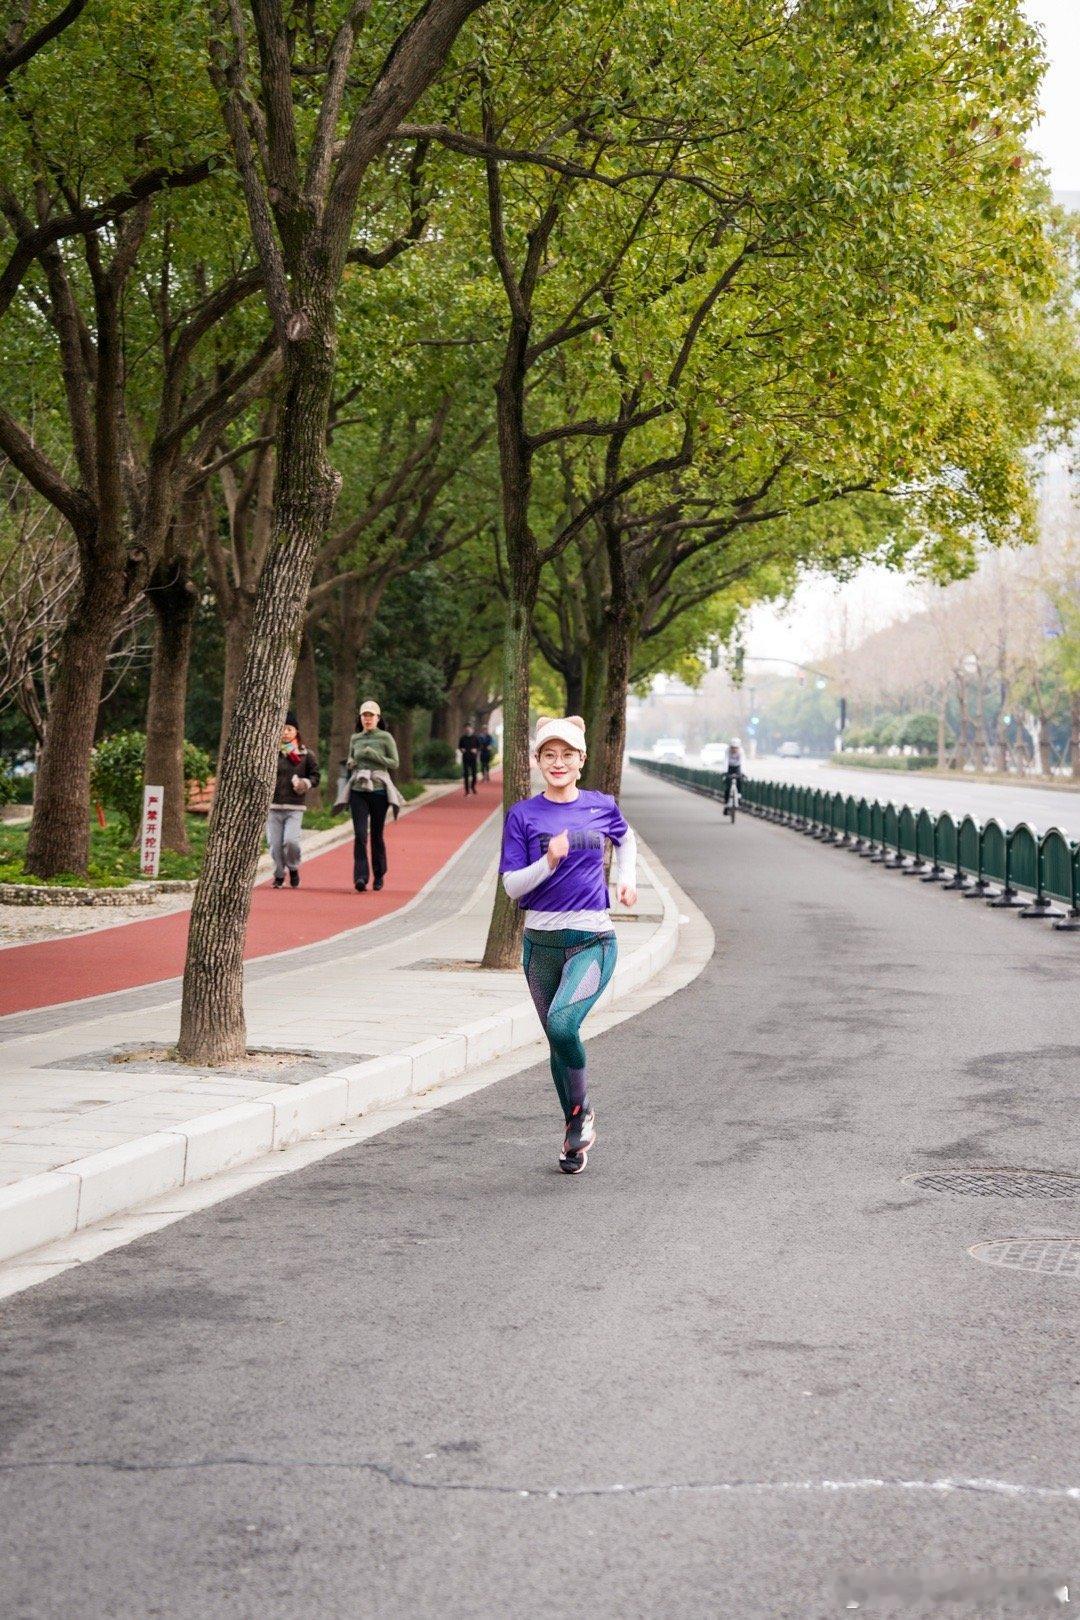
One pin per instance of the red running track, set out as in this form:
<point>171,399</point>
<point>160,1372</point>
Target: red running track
<point>325,904</point>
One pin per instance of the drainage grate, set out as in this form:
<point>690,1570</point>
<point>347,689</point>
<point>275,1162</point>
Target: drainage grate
<point>1050,1257</point>
<point>1001,1183</point>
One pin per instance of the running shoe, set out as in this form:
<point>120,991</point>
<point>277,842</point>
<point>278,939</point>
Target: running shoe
<point>294,878</point>
<point>580,1131</point>
<point>572,1164</point>
<point>279,883</point>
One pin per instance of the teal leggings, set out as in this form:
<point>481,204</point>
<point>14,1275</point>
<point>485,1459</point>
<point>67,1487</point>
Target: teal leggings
<point>567,973</point>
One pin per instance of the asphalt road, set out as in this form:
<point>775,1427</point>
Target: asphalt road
<point>724,1373</point>
<point>962,795</point>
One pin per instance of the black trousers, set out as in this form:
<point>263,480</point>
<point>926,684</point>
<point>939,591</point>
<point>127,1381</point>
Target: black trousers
<point>468,771</point>
<point>368,808</point>
<point>485,763</point>
<point>729,777</point>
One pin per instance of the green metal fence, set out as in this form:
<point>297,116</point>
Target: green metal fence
<point>981,861</point>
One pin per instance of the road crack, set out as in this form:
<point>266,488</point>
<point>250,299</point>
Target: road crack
<point>945,1486</point>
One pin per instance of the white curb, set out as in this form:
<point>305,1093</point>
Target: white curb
<point>53,1205</point>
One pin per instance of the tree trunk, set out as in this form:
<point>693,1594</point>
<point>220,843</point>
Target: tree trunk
<point>237,629</point>
<point>306,704</point>
<point>173,598</point>
<point>212,1026</point>
<point>446,721</point>
<point>607,745</point>
<point>402,731</point>
<point>473,697</point>
<point>59,838</point>
<point>503,947</point>
<point>594,697</point>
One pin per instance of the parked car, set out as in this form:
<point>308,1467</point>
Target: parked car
<point>668,751</point>
<point>713,754</point>
<point>790,750</point>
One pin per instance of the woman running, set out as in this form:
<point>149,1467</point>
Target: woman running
<point>553,866</point>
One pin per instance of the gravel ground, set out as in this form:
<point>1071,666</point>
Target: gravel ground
<point>22,925</point>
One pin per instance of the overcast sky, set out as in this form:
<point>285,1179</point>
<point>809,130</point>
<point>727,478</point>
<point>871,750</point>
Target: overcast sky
<point>876,597</point>
<point>1057,138</point>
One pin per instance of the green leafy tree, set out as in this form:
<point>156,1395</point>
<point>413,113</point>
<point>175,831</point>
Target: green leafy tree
<point>118,775</point>
<point>304,147</point>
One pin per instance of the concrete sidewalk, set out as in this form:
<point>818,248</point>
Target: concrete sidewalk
<point>92,1125</point>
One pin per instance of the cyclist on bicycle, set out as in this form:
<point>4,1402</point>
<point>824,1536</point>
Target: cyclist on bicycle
<point>734,768</point>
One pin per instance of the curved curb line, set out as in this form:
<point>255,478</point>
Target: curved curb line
<point>55,1204</point>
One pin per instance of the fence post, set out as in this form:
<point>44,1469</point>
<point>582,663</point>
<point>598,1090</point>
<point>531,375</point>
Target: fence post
<point>867,851</point>
<point>896,861</point>
<point>1041,906</point>
<point>918,864</point>
<point>959,879</point>
<point>1008,896</point>
<point>937,871</point>
<point>1071,920</point>
<point>977,890</point>
<point>882,855</point>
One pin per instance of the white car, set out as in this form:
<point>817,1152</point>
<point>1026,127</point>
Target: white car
<point>789,750</point>
<point>668,751</point>
<point>713,754</point>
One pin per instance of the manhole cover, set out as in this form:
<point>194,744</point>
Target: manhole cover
<point>1050,1257</point>
<point>1003,1183</point>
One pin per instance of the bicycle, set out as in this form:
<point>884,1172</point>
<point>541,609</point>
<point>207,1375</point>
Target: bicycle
<point>732,799</point>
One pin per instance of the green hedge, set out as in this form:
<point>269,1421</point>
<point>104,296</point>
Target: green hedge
<point>117,775</point>
<point>888,762</point>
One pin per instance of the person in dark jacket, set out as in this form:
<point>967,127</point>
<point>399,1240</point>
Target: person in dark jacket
<point>297,774</point>
<point>469,748</point>
<point>486,744</point>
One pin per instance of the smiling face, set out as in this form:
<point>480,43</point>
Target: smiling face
<point>560,765</point>
<point>288,734</point>
<point>369,720</point>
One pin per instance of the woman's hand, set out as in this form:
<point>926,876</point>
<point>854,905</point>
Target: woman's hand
<point>558,849</point>
<point>627,896</point>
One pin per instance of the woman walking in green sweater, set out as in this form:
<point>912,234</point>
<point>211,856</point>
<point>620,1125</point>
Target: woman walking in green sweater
<point>372,756</point>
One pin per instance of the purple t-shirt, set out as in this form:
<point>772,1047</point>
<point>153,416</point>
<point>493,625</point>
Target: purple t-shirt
<point>577,883</point>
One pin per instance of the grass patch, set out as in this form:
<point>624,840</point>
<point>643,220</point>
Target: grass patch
<point>113,862</point>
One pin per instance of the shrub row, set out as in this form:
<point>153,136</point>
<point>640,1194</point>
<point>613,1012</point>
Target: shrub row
<point>887,762</point>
